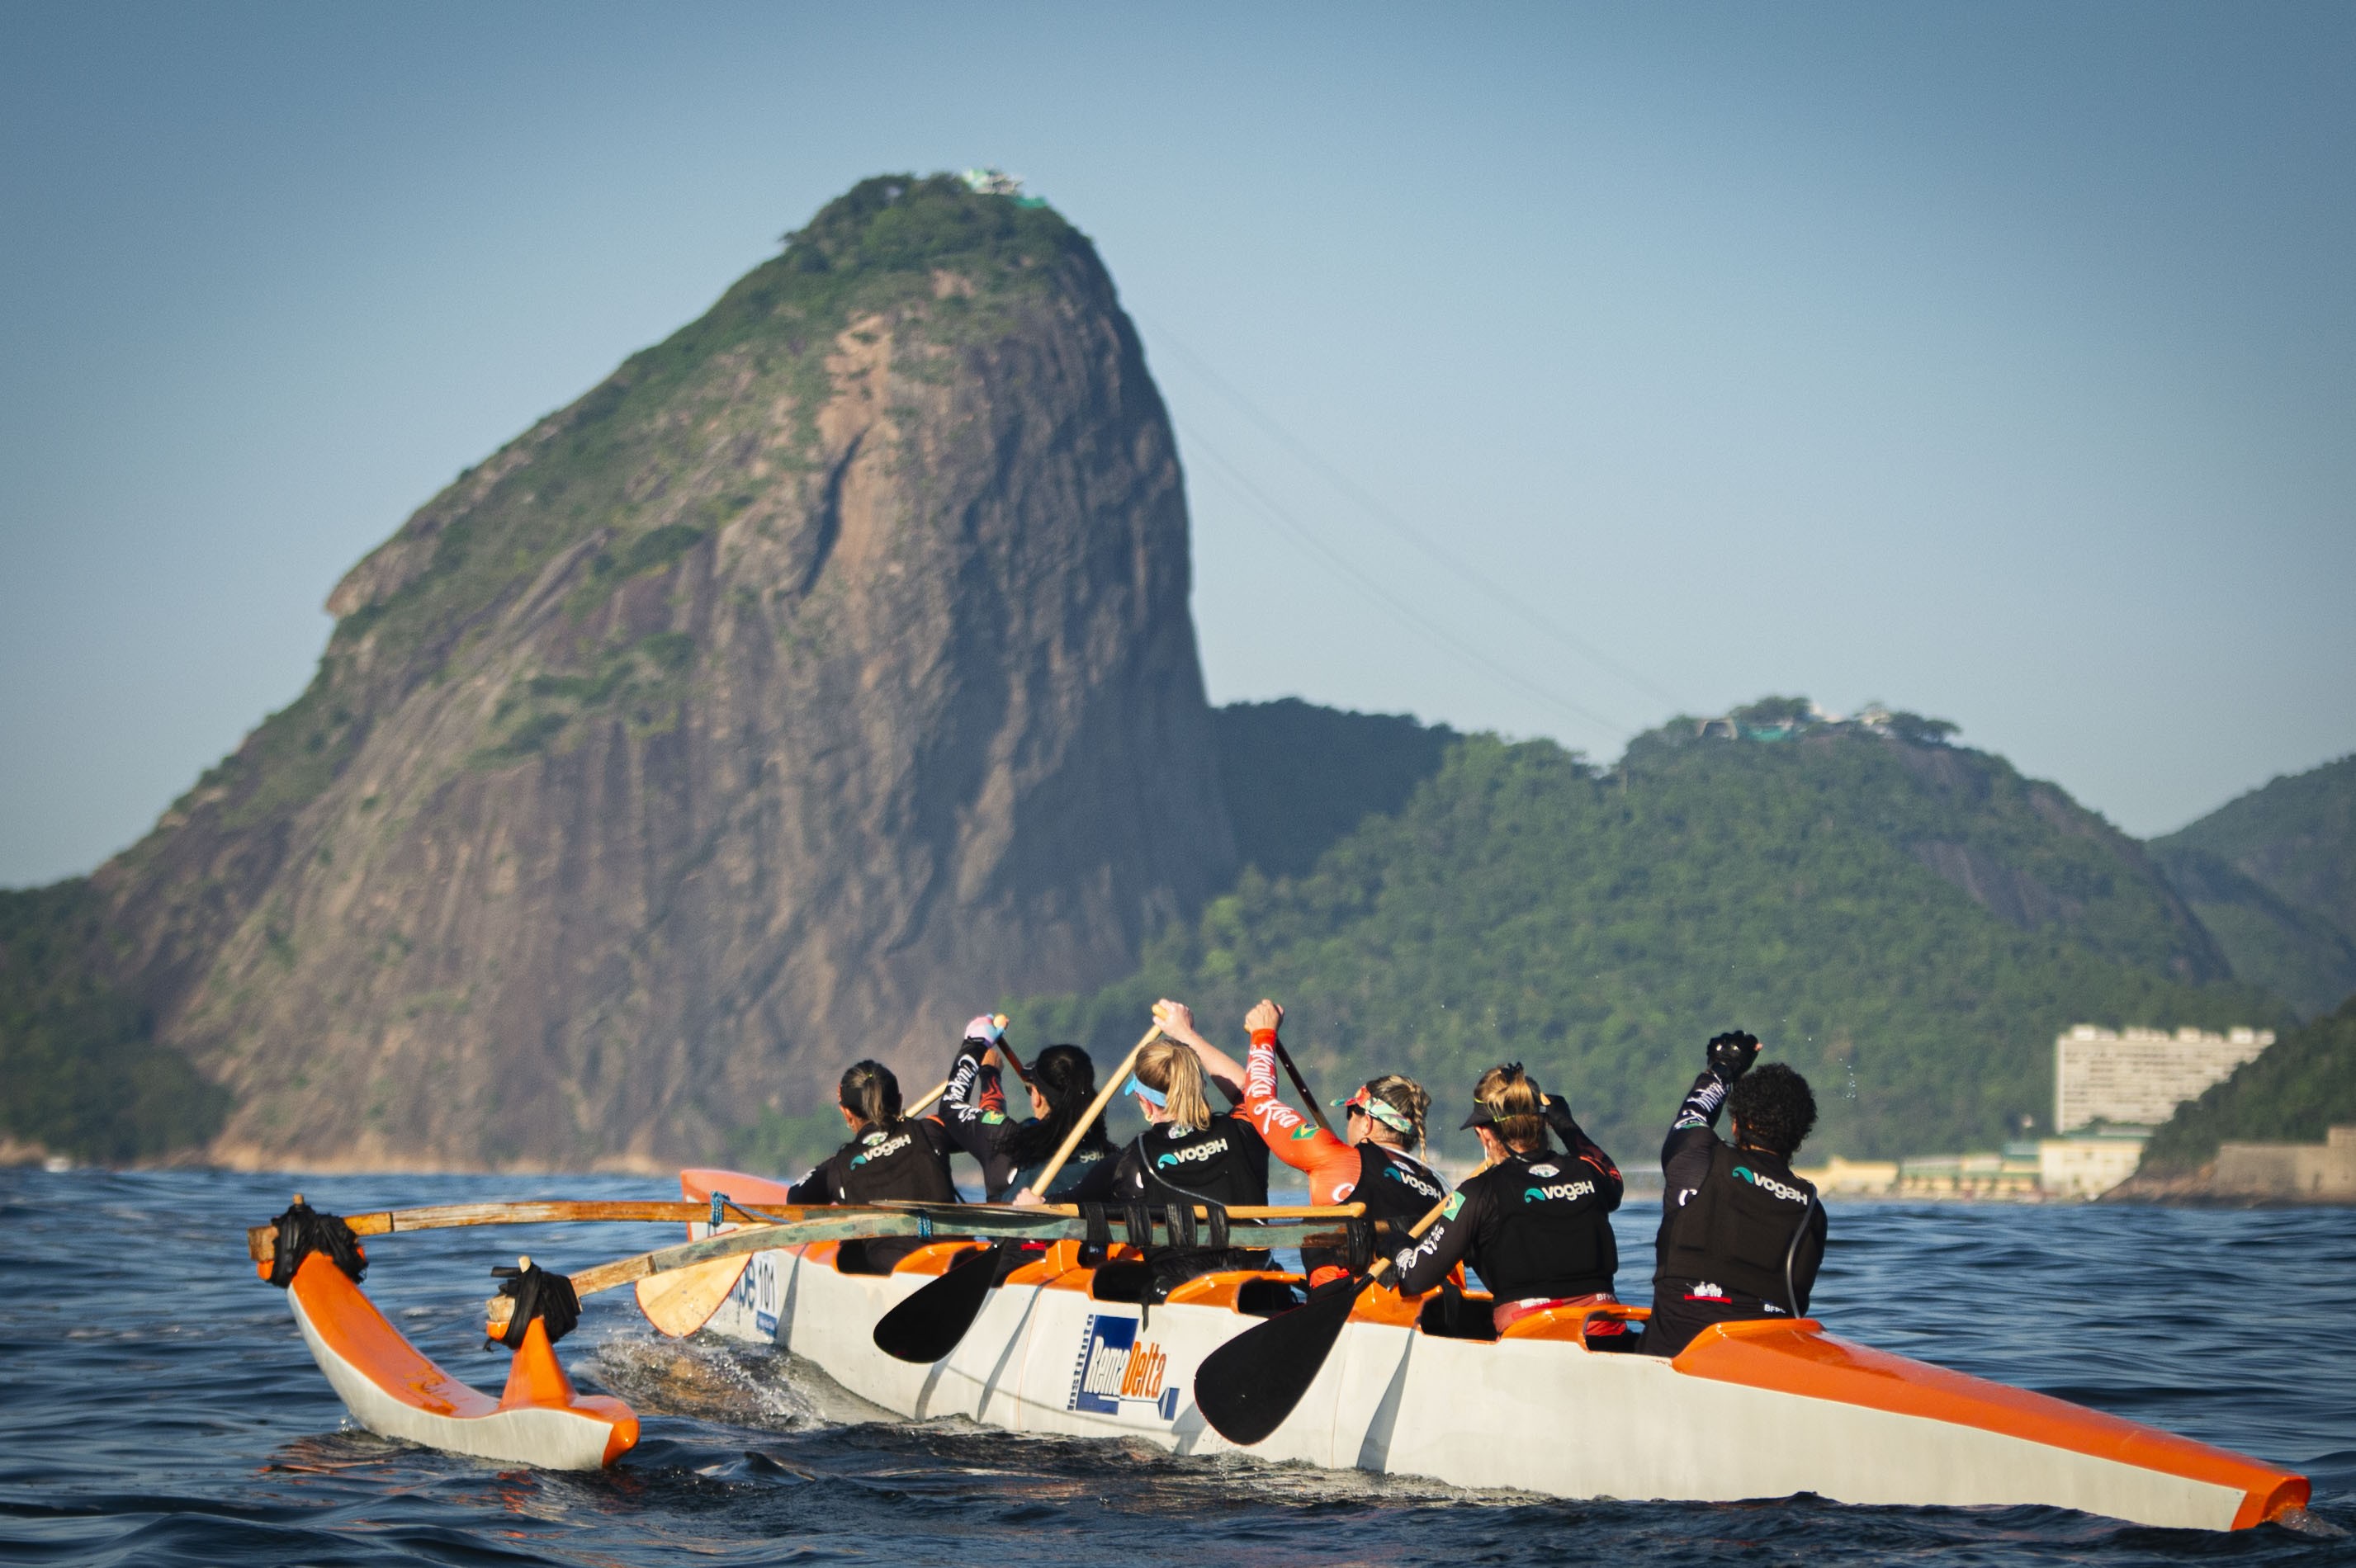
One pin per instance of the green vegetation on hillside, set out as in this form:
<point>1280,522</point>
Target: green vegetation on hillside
<point>2296,835</point>
<point>1599,926</point>
<point>2290,1092</point>
<point>583,473</point>
<point>1298,778</point>
<point>2272,875</point>
<point>81,1073</point>
<point>2294,952</point>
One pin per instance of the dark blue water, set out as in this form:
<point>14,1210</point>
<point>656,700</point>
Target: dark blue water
<point>159,1407</point>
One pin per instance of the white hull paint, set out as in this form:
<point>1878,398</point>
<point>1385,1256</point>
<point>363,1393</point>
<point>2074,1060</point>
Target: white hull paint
<point>1540,1414</point>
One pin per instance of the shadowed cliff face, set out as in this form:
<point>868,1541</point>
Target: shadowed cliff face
<point>822,676</point>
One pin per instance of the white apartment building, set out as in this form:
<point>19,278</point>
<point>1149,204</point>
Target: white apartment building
<point>2137,1077</point>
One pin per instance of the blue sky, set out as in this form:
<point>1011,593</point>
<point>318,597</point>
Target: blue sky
<point>1548,369</point>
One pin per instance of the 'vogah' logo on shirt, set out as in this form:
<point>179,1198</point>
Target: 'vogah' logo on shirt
<point>1116,1372</point>
<point>1189,1156</point>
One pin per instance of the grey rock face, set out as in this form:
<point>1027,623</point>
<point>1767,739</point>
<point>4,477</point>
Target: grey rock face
<point>822,678</point>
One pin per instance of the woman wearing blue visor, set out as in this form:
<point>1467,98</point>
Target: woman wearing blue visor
<point>1187,1154</point>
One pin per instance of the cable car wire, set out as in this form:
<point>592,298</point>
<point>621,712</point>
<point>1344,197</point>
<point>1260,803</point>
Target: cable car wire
<point>1375,509</point>
<point>1307,537</point>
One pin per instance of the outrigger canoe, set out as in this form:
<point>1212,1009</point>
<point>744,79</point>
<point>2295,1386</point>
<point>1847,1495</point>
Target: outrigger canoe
<point>1748,1409</point>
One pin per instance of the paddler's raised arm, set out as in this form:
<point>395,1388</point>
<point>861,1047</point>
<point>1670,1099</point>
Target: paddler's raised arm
<point>1556,1111</point>
<point>1177,1021</point>
<point>1684,1156</point>
<point>965,1067</point>
<point>972,1110</point>
<point>1331,1164</point>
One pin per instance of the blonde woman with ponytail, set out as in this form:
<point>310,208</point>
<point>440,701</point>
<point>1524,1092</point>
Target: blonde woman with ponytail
<point>1535,1223</point>
<point>1376,1161</point>
<point>1188,1154</point>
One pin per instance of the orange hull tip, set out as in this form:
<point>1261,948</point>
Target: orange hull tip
<point>1796,1357</point>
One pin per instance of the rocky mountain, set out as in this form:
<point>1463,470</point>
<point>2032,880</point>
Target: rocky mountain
<point>810,682</point>
<point>1907,920</point>
<point>2272,875</point>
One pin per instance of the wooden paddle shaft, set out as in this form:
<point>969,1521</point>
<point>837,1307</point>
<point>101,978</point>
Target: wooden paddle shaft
<point>819,1224</point>
<point>1015,1061</point>
<point>1047,1176</point>
<point>1240,1211</point>
<point>1415,1232</point>
<point>262,1241</point>
<point>1316,1111</point>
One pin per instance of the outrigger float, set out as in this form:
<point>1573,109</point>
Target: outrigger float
<point>1747,1410</point>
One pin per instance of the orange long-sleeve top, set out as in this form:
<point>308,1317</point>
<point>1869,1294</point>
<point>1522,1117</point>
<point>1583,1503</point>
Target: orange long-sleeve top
<point>1331,1164</point>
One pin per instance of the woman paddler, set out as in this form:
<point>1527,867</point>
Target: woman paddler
<point>889,1156</point>
<point>1536,1225</point>
<point>1012,1153</point>
<point>1185,1155</point>
<point>1369,1163</point>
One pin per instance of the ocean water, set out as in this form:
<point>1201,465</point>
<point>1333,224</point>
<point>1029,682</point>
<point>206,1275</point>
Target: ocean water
<point>160,1408</point>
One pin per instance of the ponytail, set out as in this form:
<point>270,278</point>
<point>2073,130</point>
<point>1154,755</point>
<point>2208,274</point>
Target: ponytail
<point>1066,1078</point>
<point>1404,1095</point>
<point>1514,1105</point>
<point>871,1092</point>
<point>1175,1073</point>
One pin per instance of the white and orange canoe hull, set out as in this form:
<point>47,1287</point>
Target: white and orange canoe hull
<point>1750,1409</point>
<point>396,1390</point>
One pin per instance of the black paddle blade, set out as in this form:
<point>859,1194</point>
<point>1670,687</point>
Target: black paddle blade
<point>928,1325</point>
<point>1247,1386</point>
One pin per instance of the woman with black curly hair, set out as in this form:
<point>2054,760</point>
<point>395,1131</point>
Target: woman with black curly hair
<point>1742,1236</point>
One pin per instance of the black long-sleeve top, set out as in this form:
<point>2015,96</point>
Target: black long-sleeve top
<point>1693,1134</point>
<point>973,1110</point>
<point>1684,1303</point>
<point>1572,1255</point>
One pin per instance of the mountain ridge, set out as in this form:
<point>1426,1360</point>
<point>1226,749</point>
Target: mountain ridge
<point>813,678</point>
<point>738,720</point>
<point>1908,921</point>
<point>2273,874</point>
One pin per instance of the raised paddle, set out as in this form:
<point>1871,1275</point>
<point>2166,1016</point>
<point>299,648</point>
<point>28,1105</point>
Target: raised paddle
<point>928,1325</point>
<point>1316,1110</point>
<point>1048,1173</point>
<point>1006,1051</point>
<point>1247,1386</point>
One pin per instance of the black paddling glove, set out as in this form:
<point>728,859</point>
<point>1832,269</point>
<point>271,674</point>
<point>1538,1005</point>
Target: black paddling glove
<point>1731,1053</point>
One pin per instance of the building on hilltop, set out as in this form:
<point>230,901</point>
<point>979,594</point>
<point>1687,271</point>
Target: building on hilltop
<point>2137,1077</point>
<point>992,182</point>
